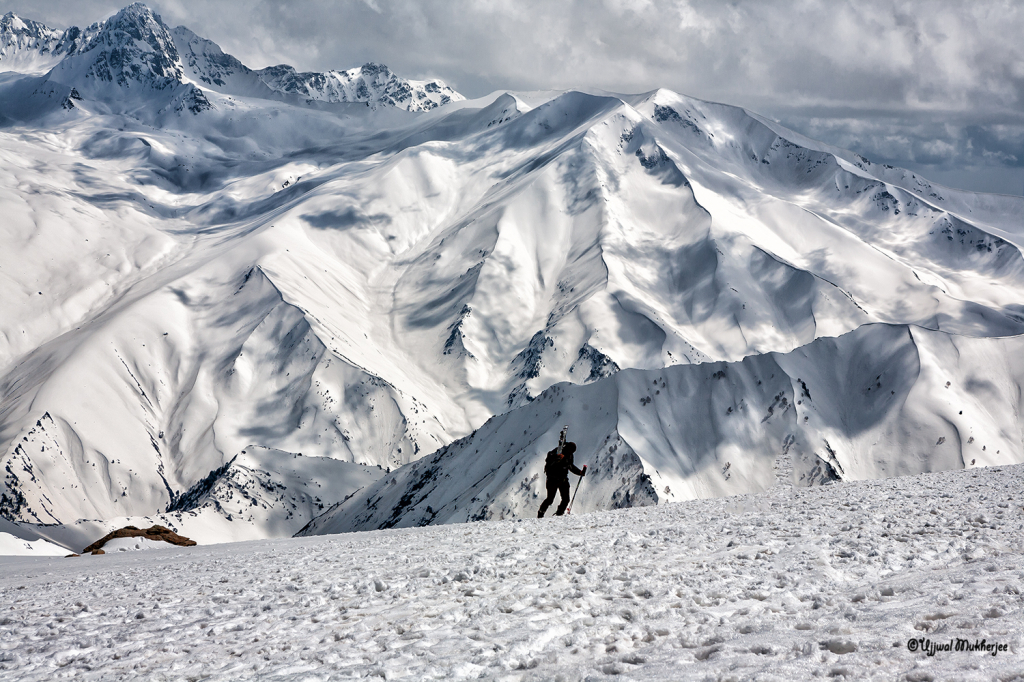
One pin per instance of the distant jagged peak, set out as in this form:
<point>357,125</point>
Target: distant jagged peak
<point>29,46</point>
<point>134,49</point>
<point>135,14</point>
<point>20,34</point>
<point>206,62</point>
<point>136,22</point>
<point>12,23</point>
<point>371,83</point>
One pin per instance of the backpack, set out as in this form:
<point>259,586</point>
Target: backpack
<point>553,461</point>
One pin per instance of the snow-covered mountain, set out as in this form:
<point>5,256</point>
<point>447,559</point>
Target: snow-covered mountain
<point>883,400</point>
<point>373,84</point>
<point>131,50</point>
<point>683,282</point>
<point>27,46</point>
<point>134,63</point>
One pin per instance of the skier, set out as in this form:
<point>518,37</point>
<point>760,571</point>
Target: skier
<point>556,470</point>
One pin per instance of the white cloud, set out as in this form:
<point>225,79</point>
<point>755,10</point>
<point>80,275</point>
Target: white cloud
<point>939,149</point>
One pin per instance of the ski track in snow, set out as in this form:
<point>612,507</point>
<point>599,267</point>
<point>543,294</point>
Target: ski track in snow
<point>792,583</point>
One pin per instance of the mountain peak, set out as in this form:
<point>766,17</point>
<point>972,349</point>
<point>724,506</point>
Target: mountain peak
<point>372,69</point>
<point>135,19</point>
<point>133,47</point>
<point>29,46</point>
<point>134,50</point>
<point>12,24</point>
<point>372,83</point>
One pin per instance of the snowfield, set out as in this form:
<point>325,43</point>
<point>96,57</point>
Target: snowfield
<point>791,583</point>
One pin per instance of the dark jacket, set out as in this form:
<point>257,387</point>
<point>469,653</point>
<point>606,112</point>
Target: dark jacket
<point>557,467</point>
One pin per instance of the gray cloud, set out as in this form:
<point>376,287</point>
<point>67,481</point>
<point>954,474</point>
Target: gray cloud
<point>936,84</point>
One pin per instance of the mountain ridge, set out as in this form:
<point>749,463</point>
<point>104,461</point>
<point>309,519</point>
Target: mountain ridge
<point>134,46</point>
<point>716,429</point>
<point>32,47</point>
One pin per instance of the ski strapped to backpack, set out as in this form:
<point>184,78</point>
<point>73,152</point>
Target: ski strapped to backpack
<point>561,439</point>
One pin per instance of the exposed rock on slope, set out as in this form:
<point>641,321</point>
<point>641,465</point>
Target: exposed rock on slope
<point>155,533</point>
<point>371,83</point>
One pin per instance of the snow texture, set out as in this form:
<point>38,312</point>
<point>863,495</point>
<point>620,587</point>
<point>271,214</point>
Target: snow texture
<point>793,583</point>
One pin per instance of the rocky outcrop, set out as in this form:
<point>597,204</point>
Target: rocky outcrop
<point>151,533</point>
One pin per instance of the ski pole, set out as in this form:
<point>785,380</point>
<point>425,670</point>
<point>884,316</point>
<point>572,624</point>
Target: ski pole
<point>569,509</point>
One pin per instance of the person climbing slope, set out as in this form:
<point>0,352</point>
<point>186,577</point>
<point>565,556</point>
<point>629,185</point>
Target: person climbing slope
<point>557,466</point>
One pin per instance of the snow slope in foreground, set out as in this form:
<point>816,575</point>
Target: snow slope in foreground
<point>792,583</point>
<point>11,545</point>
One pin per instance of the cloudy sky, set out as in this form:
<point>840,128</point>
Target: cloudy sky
<point>936,86</point>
